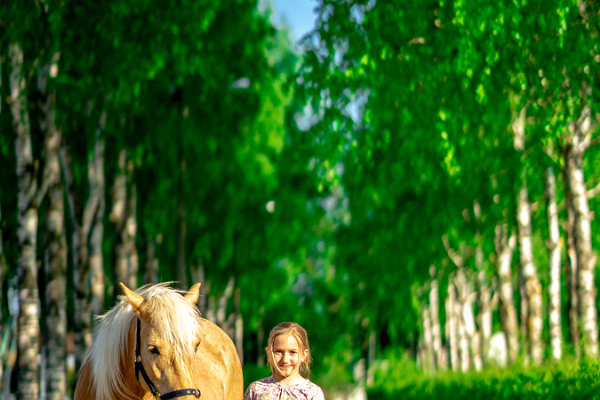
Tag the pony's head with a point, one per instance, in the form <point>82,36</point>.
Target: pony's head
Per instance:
<point>169,335</point>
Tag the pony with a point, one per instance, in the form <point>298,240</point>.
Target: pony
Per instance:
<point>154,343</point>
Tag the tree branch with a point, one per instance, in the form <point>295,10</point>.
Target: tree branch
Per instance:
<point>593,192</point>
<point>456,259</point>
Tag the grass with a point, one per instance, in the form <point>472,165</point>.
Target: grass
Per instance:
<point>567,380</point>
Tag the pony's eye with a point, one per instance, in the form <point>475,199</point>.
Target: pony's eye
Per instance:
<point>153,350</point>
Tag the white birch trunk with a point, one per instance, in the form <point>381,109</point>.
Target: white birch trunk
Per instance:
<point>151,268</point>
<point>181,226</point>
<point>428,352</point>
<point>55,254</point>
<point>463,339</point>
<point>239,326</point>
<point>96,259</point>
<point>505,246</point>
<point>469,340</point>
<point>473,337</point>
<point>118,215</point>
<point>28,331</point>
<point>484,290</point>
<point>223,320</point>
<point>124,216</point>
<point>371,357</point>
<point>586,258</point>
<point>452,325</point>
<point>130,234</point>
<point>531,286</point>
<point>4,329</point>
<point>260,338</point>
<point>572,270</point>
<point>554,262</point>
<point>436,329</point>
<point>83,219</point>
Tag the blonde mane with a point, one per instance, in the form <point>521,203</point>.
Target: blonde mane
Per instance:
<point>175,317</point>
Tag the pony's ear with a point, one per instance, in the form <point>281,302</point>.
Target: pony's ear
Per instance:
<point>134,299</point>
<point>193,294</point>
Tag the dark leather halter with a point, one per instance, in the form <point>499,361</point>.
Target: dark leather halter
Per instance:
<point>139,368</point>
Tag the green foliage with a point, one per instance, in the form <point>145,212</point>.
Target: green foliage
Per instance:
<point>564,380</point>
<point>416,102</point>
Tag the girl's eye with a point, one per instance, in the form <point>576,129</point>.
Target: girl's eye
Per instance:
<point>154,350</point>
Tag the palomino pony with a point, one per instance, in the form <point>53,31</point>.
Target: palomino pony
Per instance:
<point>154,343</point>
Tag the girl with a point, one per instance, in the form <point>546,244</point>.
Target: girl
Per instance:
<point>288,357</point>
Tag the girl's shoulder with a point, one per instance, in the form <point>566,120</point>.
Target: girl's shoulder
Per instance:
<point>312,388</point>
<point>258,389</point>
<point>262,384</point>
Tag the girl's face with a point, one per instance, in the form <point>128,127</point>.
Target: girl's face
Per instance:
<point>288,355</point>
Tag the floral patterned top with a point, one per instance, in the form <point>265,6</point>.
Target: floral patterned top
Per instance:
<point>269,389</point>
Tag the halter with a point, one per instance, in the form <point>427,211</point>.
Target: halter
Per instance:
<point>139,367</point>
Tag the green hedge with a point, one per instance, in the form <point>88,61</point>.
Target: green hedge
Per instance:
<point>560,382</point>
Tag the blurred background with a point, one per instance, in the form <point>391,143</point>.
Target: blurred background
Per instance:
<point>413,182</point>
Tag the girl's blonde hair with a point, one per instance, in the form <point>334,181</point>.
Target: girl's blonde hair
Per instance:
<point>299,333</point>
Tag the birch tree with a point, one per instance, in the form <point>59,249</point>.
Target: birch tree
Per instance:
<point>505,245</point>
<point>531,284</point>
<point>436,329</point>
<point>554,268</point>
<point>30,196</point>
<point>55,257</point>
<point>84,219</point>
<point>123,214</point>
<point>578,142</point>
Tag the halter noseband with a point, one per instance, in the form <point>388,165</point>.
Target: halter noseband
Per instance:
<point>139,368</point>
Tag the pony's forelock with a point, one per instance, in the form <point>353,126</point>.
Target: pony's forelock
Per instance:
<point>176,319</point>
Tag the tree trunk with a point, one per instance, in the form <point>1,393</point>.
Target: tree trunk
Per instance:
<point>484,300</point>
<point>118,215</point>
<point>572,270</point>
<point>131,232</point>
<point>96,259</point>
<point>28,331</point>
<point>452,326</point>
<point>554,265</point>
<point>181,266</point>
<point>436,329</point>
<point>260,338</point>
<point>428,352</point>
<point>473,337</point>
<point>124,216</point>
<point>55,254</point>
<point>371,359</point>
<point>468,337</point>
<point>463,338</point>
<point>151,268</point>
<point>211,309</point>
<point>504,248</point>
<point>223,320</point>
<point>239,326</point>
<point>4,329</point>
<point>586,259</point>
<point>531,283</point>
<point>83,220</point>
